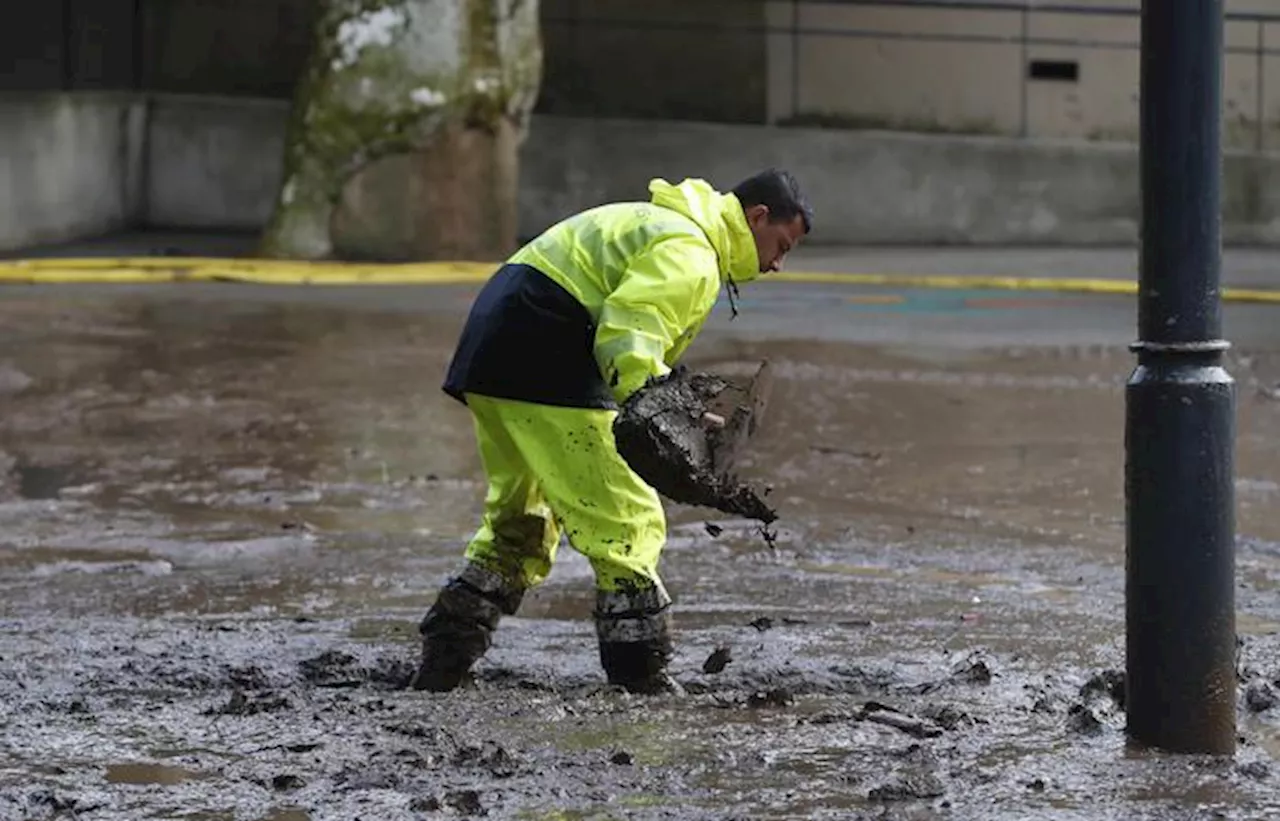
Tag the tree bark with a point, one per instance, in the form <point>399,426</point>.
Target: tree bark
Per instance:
<point>405,131</point>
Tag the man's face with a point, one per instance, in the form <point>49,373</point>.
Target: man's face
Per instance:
<point>773,239</point>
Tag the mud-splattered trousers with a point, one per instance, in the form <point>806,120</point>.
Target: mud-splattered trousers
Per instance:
<point>554,470</point>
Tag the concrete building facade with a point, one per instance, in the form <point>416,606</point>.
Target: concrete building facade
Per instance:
<point>171,113</point>
<point>1018,71</point>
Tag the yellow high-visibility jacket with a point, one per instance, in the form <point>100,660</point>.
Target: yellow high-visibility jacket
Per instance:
<point>588,311</point>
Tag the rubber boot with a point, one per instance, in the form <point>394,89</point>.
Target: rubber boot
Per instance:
<point>458,629</point>
<point>634,630</point>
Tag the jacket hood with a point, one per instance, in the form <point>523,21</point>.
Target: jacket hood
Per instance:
<point>721,218</point>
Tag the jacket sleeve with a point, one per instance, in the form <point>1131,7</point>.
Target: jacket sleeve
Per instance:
<point>663,297</point>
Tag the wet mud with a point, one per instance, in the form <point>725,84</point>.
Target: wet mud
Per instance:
<point>221,520</point>
<point>681,434</point>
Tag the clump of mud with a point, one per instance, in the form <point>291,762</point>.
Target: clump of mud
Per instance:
<point>335,669</point>
<point>665,433</point>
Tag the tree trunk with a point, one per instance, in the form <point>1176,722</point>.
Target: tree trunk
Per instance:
<point>405,130</point>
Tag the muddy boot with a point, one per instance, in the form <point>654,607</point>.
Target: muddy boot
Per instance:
<point>458,629</point>
<point>634,630</point>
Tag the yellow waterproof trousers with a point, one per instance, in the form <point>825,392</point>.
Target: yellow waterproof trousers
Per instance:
<point>552,469</point>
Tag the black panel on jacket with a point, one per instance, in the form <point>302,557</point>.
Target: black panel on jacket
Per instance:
<point>528,339</point>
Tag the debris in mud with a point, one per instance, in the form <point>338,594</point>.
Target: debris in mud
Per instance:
<point>333,669</point>
<point>920,757</point>
<point>622,758</point>
<point>878,713</point>
<point>427,804</point>
<point>713,530</point>
<point>973,670</point>
<point>466,802</point>
<point>1109,683</point>
<point>948,717</point>
<point>55,802</point>
<point>762,624</point>
<point>46,803</point>
<point>493,757</point>
<point>1102,697</point>
<point>436,736</point>
<point>302,748</point>
<point>242,704</point>
<point>775,697</point>
<point>1260,697</point>
<point>822,719</point>
<point>366,777</point>
<point>248,677</point>
<point>1045,700</point>
<point>862,455</point>
<point>75,706</point>
<point>501,675</point>
<point>663,431</point>
<point>1257,770</point>
<point>718,660</point>
<point>909,787</point>
<point>1083,720</point>
<point>298,524</point>
<point>330,669</point>
<point>286,782</point>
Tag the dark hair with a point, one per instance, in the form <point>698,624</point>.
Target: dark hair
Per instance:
<point>778,191</point>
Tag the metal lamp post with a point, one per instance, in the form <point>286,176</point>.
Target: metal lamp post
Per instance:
<point>1180,402</point>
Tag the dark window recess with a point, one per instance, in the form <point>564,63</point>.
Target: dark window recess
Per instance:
<point>1061,71</point>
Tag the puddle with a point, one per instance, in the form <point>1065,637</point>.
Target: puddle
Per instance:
<point>43,482</point>
<point>145,773</point>
<point>1251,624</point>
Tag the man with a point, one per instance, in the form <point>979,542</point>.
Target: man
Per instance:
<point>574,323</point>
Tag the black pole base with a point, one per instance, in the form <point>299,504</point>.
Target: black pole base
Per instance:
<point>1180,576</point>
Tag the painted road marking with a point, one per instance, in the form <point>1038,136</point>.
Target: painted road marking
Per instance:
<point>1019,302</point>
<point>875,299</point>
<point>292,272</point>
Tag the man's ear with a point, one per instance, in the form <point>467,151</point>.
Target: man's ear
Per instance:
<point>758,213</point>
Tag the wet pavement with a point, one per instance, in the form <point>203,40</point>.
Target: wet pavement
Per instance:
<point>223,510</point>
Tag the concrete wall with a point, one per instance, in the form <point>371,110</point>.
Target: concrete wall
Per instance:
<point>213,162</point>
<point>70,166</point>
<point>218,165</point>
<point>659,59</point>
<point>865,187</point>
<point>74,166</point>
<point>905,81</point>
<point>882,187</point>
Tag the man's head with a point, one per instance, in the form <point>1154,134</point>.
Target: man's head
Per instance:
<point>777,213</point>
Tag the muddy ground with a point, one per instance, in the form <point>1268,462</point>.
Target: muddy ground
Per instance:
<point>221,517</point>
